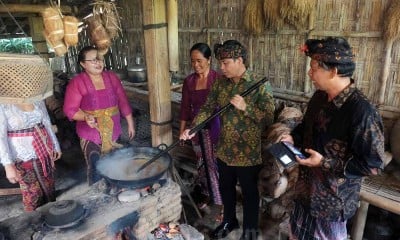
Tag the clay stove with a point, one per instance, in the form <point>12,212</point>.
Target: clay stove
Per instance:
<point>106,217</point>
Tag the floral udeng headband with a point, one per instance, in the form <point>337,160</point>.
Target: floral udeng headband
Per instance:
<point>228,51</point>
<point>329,50</point>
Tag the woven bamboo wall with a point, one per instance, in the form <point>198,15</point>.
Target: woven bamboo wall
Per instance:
<point>275,53</point>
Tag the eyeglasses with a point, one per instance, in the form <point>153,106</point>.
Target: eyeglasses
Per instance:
<point>94,61</point>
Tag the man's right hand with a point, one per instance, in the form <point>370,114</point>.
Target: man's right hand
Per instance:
<point>186,136</point>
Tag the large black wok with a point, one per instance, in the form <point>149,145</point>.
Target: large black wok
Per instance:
<point>120,166</point>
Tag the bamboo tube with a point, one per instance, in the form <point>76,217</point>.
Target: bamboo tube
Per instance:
<point>173,40</point>
<point>385,71</point>
<point>307,82</point>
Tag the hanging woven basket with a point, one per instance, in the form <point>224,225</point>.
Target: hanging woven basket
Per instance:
<point>24,78</point>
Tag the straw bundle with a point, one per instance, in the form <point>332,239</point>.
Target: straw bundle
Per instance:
<point>392,22</point>
<point>272,13</point>
<point>58,45</point>
<point>254,17</point>
<point>296,12</point>
<point>98,34</point>
<point>53,24</point>
<point>274,133</point>
<point>102,51</point>
<point>109,16</point>
<point>70,30</point>
<point>288,113</point>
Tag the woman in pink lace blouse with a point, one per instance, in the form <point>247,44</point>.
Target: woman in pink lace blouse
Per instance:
<point>96,100</point>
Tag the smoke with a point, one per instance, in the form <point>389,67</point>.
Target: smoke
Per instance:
<point>122,164</point>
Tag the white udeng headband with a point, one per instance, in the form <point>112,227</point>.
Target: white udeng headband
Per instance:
<point>24,78</point>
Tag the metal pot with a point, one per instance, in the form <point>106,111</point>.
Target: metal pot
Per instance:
<point>120,167</point>
<point>137,73</point>
<point>122,74</point>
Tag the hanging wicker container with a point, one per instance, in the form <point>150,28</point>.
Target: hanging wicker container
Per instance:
<point>24,78</point>
<point>53,24</point>
<point>98,34</point>
<point>70,30</point>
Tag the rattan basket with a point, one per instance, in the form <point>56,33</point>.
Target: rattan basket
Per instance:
<point>24,78</point>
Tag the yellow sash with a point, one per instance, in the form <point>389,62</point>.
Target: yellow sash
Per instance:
<point>105,126</point>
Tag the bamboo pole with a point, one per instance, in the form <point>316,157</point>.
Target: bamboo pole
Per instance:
<point>360,218</point>
<point>173,39</point>
<point>307,82</point>
<point>156,52</point>
<point>10,191</point>
<point>28,8</point>
<point>385,72</point>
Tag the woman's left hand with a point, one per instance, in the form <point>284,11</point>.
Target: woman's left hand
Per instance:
<point>57,155</point>
<point>131,132</point>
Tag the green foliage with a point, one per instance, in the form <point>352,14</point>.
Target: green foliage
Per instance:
<point>16,45</point>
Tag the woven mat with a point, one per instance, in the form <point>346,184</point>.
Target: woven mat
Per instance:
<point>384,186</point>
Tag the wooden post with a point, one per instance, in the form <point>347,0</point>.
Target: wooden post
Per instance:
<point>156,52</point>
<point>357,230</point>
<point>38,40</point>
<point>173,40</point>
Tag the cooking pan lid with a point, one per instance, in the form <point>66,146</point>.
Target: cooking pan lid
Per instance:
<point>65,213</point>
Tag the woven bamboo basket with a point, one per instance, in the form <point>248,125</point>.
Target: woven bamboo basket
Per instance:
<point>24,78</point>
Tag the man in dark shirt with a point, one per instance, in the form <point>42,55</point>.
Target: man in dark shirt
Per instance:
<point>239,146</point>
<point>343,134</point>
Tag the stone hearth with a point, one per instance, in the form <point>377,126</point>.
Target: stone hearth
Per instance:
<point>107,216</point>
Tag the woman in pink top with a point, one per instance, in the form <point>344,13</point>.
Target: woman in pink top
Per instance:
<point>96,100</point>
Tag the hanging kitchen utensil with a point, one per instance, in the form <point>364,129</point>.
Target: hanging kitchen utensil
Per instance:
<point>203,124</point>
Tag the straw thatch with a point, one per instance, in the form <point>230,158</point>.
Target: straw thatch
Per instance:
<point>391,29</point>
<point>70,30</point>
<point>272,13</point>
<point>296,12</point>
<point>253,17</point>
<point>53,24</point>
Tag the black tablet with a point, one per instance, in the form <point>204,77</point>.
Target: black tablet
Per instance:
<point>285,153</point>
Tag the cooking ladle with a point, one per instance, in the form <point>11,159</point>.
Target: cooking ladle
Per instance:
<point>202,124</point>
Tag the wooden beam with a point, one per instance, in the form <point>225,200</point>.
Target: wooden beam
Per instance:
<point>28,8</point>
<point>158,76</point>
<point>9,191</point>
